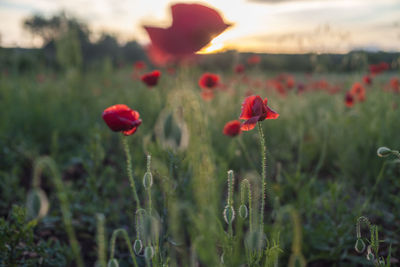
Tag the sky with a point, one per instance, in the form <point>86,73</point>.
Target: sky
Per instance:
<point>272,26</point>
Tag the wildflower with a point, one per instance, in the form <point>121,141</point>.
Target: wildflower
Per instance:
<point>139,65</point>
<point>367,80</point>
<point>193,27</point>
<point>376,69</point>
<point>207,94</point>
<point>395,85</point>
<point>349,100</point>
<point>254,60</point>
<point>358,91</point>
<point>208,81</point>
<point>232,128</point>
<point>120,118</point>
<point>151,78</point>
<point>254,109</point>
<point>239,68</point>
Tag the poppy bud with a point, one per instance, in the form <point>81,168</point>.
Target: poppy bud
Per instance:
<point>147,180</point>
<point>243,212</point>
<point>149,252</point>
<point>360,245</point>
<point>383,151</point>
<point>229,214</point>
<point>37,203</point>
<point>137,246</point>
<point>113,263</point>
<point>370,255</point>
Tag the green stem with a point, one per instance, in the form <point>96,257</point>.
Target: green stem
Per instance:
<point>129,170</point>
<point>101,242</point>
<point>125,235</point>
<point>263,175</point>
<point>149,194</point>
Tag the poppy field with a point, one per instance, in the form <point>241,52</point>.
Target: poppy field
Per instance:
<point>167,162</point>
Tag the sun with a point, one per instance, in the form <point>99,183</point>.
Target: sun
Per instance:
<point>216,45</point>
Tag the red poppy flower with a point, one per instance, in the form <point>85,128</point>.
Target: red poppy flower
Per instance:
<point>120,118</point>
<point>232,128</point>
<point>349,100</point>
<point>290,82</point>
<point>193,27</point>
<point>151,78</point>
<point>358,90</point>
<point>375,69</point>
<point>139,65</point>
<point>207,94</point>
<point>239,68</point>
<point>208,80</point>
<point>254,60</point>
<point>254,109</point>
<point>395,85</point>
<point>367,79</point>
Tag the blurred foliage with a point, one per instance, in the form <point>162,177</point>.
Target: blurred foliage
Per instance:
<point>19,247</point>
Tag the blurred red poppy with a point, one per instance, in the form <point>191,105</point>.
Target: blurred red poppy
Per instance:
<point>290,82</point>
<point>207,94</point>
<point>367,79</point>
<point>375,69</point>
<point>395,85</point>
<point>239,68</point>
<point>255,109</point>
<point>349,100</point>
<point>208,80</point>
<point>254,60</point>
<point>120,118</point>
<point>151,78</point>
<point>232,128</point>
<point>193,27</point>
<point>358,91</point>
<point>139,65</point>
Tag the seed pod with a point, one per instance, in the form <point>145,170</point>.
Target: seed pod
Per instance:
<point>147,180</point>
<point>360,245</point>
<point>383,151</point>
<point>149,252</point>
<point>137,246</point>
<point>243,211</point>
<point>229,214</point>
<point>113,263</point>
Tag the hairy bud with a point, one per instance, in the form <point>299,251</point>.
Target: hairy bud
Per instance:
<point>360,245</point>
<point>229,214</point>
<point>137,246</point>
<point>243,212</point>
<point>113,263</point>
<point>383,151</point>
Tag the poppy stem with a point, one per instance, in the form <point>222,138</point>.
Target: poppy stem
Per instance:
<point>129,170</point>
<point>263,175</point>
<point>122,232</point>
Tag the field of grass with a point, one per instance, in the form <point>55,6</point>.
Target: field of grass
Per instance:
<point>323,171</point>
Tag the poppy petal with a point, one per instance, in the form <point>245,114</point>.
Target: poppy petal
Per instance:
<point>271,114</point>
<point>247,108</point>
<point>250,124</point>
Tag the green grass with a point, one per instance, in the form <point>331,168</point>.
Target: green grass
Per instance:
<point>322,168</point>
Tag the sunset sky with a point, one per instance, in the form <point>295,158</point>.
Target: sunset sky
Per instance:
<point>274,26</point>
